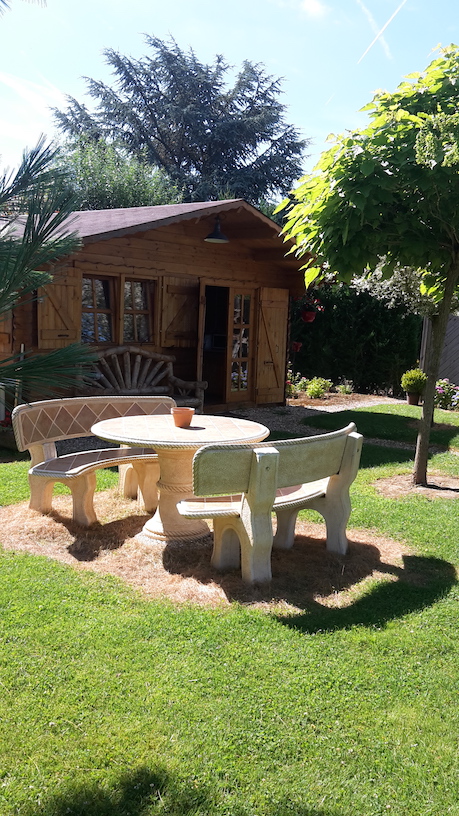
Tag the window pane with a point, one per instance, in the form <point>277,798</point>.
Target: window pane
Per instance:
<point>128,333</point>
<point>127,295</point>
<point>140,295</point>
<point>243,376</point>
<point>104,328</point>
<point>102,294</point>
<point>87,293</point>
<point>246,309</point>
<point>237,309</point>
<point>88,334</point>
<point>143,329</point>
<point>245,343</point>
<point>235,377</point>
<point>236,345</point>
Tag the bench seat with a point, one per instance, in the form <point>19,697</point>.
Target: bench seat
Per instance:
<point>72,465</point>
<point>294,497</point>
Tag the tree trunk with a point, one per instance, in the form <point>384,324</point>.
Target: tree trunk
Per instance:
<point>438,324</point>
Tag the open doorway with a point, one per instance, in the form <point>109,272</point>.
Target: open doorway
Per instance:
<point>215,343</point>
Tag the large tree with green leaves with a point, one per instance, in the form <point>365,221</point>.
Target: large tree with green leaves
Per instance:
<point>213,141</point>
<point>104,177</point>
<point>387,196</point>
<point>35,203</point>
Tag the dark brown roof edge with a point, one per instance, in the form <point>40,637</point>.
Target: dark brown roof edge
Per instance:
<point>197,210</point>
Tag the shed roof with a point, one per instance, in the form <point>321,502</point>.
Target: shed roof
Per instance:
<point>241,222</point>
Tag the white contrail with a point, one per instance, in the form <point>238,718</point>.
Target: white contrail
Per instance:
<point>375,27</point>
<point>380,33</point>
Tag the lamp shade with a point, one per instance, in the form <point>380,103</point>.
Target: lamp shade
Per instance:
<point>216,236</point>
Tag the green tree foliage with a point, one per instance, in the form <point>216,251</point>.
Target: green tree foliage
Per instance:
<point>34,204</point>
<point>104,177</point>
<point>378,198</point>
<point>213,141</point>
<point>357,337</point>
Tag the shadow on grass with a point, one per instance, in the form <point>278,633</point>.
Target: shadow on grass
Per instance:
<point>90,542</point>
<point>11,455</point>
<point>382,426</point>
<point>421,582</point>
<point>145,792</point>
<point>378,455</point>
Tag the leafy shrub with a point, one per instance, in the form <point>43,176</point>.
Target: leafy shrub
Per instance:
<point>356,337</point>
<point>446,395</point>
<point>345,387</point>
<point>413,381</point>
<point>295,383</point>
<point>317,387</point>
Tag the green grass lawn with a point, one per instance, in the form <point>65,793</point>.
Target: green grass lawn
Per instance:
<point>396,422</point>
<point>114,705</point>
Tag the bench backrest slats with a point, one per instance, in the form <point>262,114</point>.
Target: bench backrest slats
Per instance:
<point>222,470</point>
<point>51,420</point>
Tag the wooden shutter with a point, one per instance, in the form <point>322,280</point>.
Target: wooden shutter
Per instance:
<point>179,312</point>
<point>59,313</point>
<point>272,344</point>
<point>6,333</point>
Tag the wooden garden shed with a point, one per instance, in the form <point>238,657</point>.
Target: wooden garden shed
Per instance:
<point>147,276</point>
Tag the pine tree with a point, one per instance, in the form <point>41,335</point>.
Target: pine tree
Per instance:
<point>212,141</point>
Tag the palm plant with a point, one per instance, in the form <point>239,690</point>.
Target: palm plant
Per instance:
<point>35,203</point>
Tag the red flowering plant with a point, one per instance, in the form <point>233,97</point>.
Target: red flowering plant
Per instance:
<point>307,306</point>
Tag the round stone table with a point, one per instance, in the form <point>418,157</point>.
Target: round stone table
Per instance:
<point>175,448</point>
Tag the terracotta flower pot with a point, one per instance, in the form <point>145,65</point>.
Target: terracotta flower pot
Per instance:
<point>412,398</point>
<point>182,416</point>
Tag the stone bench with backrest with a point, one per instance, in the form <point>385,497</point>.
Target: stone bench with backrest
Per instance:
<point>241,485</point>
<point>128,370</point>
<point>39,425</point>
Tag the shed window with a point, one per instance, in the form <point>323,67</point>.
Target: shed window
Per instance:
<point>115,311</point>
<point>97,310</point>
<point>138,308</point>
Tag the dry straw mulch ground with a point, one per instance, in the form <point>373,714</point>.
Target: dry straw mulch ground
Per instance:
<point>183,573</point>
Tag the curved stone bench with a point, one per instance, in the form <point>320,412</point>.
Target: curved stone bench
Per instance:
<point>39,425</point>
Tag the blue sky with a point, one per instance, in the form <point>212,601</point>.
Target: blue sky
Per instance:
<point>332,54</point>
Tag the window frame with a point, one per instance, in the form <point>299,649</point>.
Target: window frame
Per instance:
<point>117,310</point>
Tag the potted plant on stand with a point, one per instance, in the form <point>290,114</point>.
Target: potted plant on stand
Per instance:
<point>413,382</point>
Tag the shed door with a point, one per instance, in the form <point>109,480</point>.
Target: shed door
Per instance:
<point>272,344</point>
<point>59,313</point>
<point>179,313</point>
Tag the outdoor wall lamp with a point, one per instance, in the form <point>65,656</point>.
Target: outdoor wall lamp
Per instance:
<point>216,236</point>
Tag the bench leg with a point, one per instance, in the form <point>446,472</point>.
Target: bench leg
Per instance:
<point>41,493</point>
<point>83,488</point>
<point>234,545</point>
<point>128,481</point>
<point>227,549</point>
<point>335,512</point>
<point>285,532</point>
<point>256,545</point>
<point>147,477</point>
